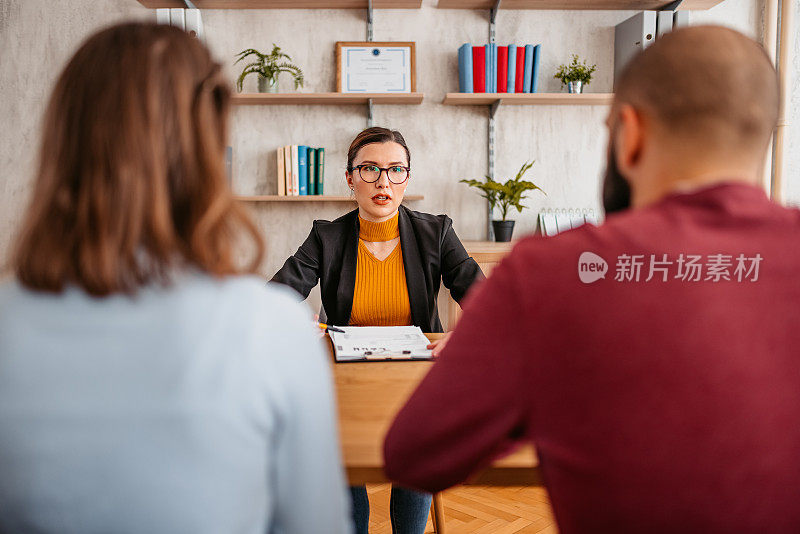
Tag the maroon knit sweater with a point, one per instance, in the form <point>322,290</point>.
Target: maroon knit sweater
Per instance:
<point>668,404</point>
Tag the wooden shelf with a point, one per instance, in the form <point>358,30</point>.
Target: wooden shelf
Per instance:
<point>308,198</point>
<point>279,99</point>
<point>286,4</point>
<point>528,99</point>
<point>624,5</point>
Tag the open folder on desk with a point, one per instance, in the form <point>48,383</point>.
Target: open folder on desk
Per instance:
<point>379,343</point>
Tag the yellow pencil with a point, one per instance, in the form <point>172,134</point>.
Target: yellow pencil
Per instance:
<point>330,328</point>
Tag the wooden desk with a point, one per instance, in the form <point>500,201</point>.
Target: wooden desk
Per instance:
<point>371,393</point>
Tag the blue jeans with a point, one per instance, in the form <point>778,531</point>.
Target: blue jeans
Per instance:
<point>408,509</point>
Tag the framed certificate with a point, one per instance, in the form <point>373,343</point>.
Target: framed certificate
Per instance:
<point>375,67</point>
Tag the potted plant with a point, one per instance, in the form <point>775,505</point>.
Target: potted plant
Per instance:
<point>268,67</point>
<point>505,195</point>
<point>575,75</point>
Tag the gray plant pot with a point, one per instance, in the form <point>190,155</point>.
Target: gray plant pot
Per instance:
<point>575,87</point>
<point>503,230</point>
<point>266,85</point>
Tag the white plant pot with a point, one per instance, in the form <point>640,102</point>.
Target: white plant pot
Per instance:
<point>575,87</point>
<point>266,85</point>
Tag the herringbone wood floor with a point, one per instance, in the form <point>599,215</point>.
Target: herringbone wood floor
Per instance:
<point>477,510</point>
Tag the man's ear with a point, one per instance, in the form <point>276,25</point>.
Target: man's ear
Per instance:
<point>629,137</point>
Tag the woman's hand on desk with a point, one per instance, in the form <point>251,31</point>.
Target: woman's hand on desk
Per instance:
<point>437,345</point>
<point>316,323</point>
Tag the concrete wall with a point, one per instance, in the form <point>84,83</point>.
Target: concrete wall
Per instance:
<point>447,142</point>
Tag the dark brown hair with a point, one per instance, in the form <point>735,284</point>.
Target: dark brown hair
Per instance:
<point>131,181</point>
<point>711,86</point>
<point>376,134</point>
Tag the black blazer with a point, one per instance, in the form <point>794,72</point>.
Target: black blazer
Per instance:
<point>431,252</point>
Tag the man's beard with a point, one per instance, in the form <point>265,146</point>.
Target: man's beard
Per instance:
<point>616,190</point>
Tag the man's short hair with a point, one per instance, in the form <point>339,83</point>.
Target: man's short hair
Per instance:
<point>710,85</point>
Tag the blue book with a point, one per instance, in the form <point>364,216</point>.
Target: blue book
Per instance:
<point>488,70</point>
<point>494,67</point>
<point>312,170</point>
<point>512,67</point>
<point>537,53</point>
<point>302,165</point>
<point>320,174</point>
<point>526,79</point>
<point>465,68</point>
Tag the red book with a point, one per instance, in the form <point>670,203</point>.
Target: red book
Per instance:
<point>519,75</point>
<point>502,69</point>
<point>479,69</point>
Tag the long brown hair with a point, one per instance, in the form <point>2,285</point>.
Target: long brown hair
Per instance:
<point>131,181</point>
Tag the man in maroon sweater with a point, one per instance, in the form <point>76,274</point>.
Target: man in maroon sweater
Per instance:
<point>653,361</point>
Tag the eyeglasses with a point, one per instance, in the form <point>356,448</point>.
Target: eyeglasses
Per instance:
<point>370,173</point>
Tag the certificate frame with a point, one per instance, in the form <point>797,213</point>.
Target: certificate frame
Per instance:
<point>348,53</point>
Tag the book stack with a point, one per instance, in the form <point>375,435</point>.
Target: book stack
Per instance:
<point>301,170</point>
<point>498,69</point>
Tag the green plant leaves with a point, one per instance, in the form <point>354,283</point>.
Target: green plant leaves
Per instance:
<point>575,72</point>
<point>268,66</point>
<point>245,72</point>
<point>508,194</point>
<point>524,169</point>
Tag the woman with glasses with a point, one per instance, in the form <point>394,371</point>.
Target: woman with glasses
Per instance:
<point>381,265</point>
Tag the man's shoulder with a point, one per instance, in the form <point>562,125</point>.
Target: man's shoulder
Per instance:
<point>554,263</point>
<point>538,247</point>
<point>617,231</point>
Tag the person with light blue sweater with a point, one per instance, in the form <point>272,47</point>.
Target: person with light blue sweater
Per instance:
<point>149,381</point>
<point>205,407</point>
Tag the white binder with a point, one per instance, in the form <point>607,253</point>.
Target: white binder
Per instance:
<point>547,223</point>
<point>177,17</point>
<point>576,218</point>
<point>563,221</point>
<point>194,23</point>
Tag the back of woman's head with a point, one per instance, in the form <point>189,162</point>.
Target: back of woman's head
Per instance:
<point>131,182</point>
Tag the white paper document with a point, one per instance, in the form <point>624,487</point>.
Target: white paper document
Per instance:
<point>377,69</point>
<point>380,343</point>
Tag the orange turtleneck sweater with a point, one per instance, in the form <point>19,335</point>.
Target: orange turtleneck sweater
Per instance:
<point>381,293</point>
